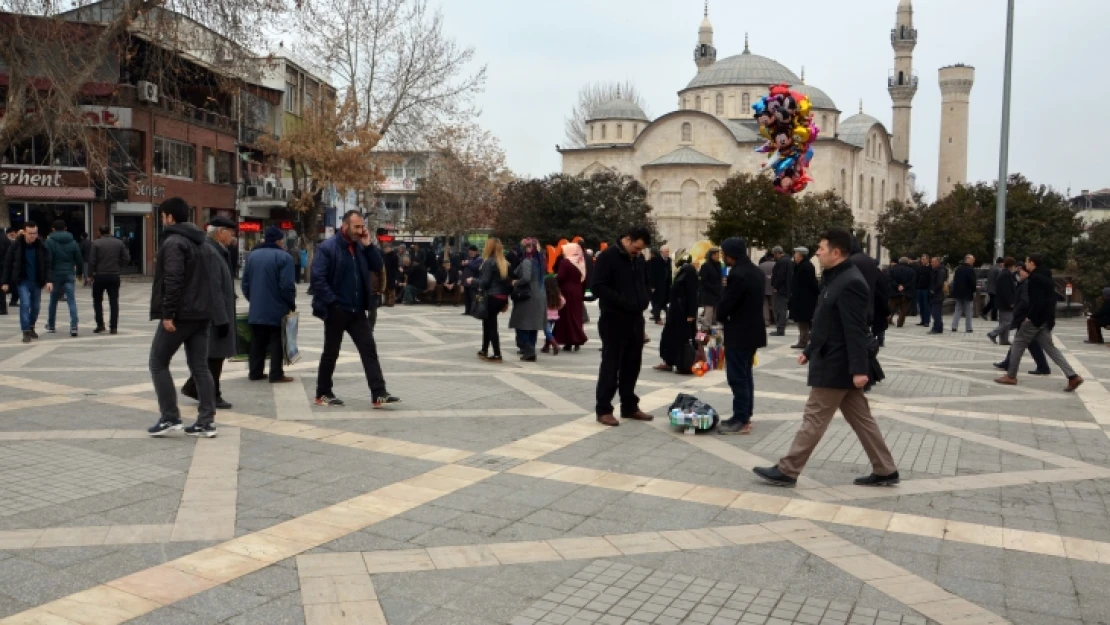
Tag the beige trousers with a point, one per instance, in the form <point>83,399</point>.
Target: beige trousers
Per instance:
<point>820,408</point>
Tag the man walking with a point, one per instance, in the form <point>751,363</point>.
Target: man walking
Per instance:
<point>268,284</point>
<point>1003,300</point>
<point>107,256</point>
<point>904,278</point>
<point>186,300</point>
<point>767,266</point>
<point>469,277</point>
<point>620,284</point>
<point>222,342</point>
<point>803,295</point>
<point>740,312</point>
<point>937,281</point>
<point>660,271</point>
<point>923,289</point>
<point>392,262</point>
<point>1021,311</point>
<point>341,296</point>
<point>996,270</point>
<point>26,269</point>
<point>781,276</point>
<point>67,264</point>
<point>838,370</point>
<point>963,291</point>
<point>1038,325</point>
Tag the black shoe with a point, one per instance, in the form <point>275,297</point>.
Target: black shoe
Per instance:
<point>49,329</point>
<point>26,337</point>
<point>528,358</point>
<point>112,331</point>
<point>877,480</point>
<point>1039,372</point>
<point>1000,365</point>
<point>100,330</point>
<point>385,399</point>
<point>969,331</point>
<point>256,378</point>
<point>327,399</point>
<point>34,334</point>
<point>953,329</point>
<point>73,332</point>
<point>935,332</point>
<point>993,338</point>
<point>779,333</point>
<point>164,427</point>
<point>734,426</point>
<point>222,404</point>
<point>774,476</point>
<point>208,430</point>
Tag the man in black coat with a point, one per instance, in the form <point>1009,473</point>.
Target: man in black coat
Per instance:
<point>470,267</point>
<point>1099,319</point>
<point>659,272</point>
<point>937,280</point>
<point>963,291</point>
<point>1038,325</point>
<point>839,367</point>
<point>26,270</point>
<point>741,314</point>
<point>804,290</point>
<point>904,279</point>
<point>781,277</point>
<point>1003,299</point>
<point>1021,310</point>
<point>392,262</point>
<point>620,284</point>
<point>869,269</point>
<point>924,271</point>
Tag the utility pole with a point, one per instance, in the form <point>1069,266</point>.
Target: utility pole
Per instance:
<point>1004,144</point>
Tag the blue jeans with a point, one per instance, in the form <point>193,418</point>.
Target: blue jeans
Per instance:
<point>67,288</point>
<point>922,296</point>
<point>549,331</point>
<point>738,370</point>
<point>29,302</point>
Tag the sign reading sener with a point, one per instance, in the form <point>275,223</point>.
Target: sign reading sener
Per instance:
<point>28,178</point>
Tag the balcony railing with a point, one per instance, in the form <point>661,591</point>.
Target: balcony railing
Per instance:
<point>892,80</point>
<point>903,34</point>
<point>128,96</point>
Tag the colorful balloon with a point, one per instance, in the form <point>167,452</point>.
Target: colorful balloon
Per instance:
<point>786,122</point>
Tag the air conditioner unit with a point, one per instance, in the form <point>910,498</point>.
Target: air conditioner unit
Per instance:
<point>255,190</point>
<point>148,91</point>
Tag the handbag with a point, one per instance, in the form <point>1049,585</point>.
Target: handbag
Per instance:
<point>522,292</point>
<point>479,308</point>
<point>290,353</point>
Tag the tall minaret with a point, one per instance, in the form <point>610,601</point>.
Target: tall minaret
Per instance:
<point>902,82</point>
<point>704,53</point>
<point>955,100</point>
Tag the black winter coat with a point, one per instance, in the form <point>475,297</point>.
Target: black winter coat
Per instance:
<point>1042,297</point>
<point>1021,303</point>
<point>659,271</point>
<point>741,307</point>
<point>804,291</point>
<point>709,283</point>
<point>13,271</point>
<point>924,276</point>
<point>936,285</point>
<point>869,269</point>
<point>620,284</point>
<point>904,276</point>
<point>837,347</point>
<point>1005,291</point>
<point>963,283</point>
<point>184,285</point>
<point>782,275</point>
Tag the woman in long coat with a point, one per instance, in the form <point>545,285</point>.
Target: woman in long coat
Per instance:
<point>529,315</point>
<point>804,291</point>
<point>680,327</point>
<point>572,274</point>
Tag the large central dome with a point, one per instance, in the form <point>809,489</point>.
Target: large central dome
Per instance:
<point>744,69</point>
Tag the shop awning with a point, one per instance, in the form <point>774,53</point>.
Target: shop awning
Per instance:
<point>19,192</point>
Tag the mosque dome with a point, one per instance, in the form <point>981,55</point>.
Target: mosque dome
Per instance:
<point>618,108</point>
<point>744,69</point>
<point>817,98</point>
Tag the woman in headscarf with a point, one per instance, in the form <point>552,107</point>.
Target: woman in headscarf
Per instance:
<point>680,327</point>
<point>572,273</point>
<point>529,311</point>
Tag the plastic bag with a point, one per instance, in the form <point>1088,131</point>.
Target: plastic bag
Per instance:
<point>691,413</point>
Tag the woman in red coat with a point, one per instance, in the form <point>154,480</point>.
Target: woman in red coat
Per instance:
<point>571,274</point>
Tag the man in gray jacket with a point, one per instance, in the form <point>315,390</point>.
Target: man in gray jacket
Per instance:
<point>187,301</point>
<point>107,256</point>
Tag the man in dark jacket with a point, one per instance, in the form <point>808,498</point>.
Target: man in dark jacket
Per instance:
<point>803,295</point>
<point>107,256</point>
<point>937,282</point>
<point>923,289</point>
<point>341,296</point>
<point>1038,325</point>
<point>963,291</point>
<point>659,272</point>
<point>269,285</point>
<point>1099,319</point>
<point>67,265</point>
<point>222,341</point>
<point>741,313</point>
<point>781,276</point>
<point>85,245</point>
<point>996,270</point>
<point>620,284</point>
<point>710,283</point>
<point>470,267</point>
<point>416,281</point>
<point>839,368</point>
<point>392,261</point>
<point>26,271</point>
<point>447,283</point>
<point>869,269</point>
<point>1021,310</point>
<point>904,279</point>
<point>1003,299</point>
<point>187,300</point>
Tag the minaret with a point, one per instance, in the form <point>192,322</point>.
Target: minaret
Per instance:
<point>902,82</point>
<point>704,53</point>
<point>955,99</point>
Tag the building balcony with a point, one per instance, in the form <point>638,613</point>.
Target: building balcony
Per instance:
<point>178,109</point>
<point>903,34</point>
<point>250,136</point>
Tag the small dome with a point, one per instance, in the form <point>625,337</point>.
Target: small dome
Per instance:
<point>618,108</point>
<point>744,69</point>
<point>817,98</point>
<point>854,129</point>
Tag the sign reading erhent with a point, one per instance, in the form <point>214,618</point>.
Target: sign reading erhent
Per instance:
<point>27,178</point>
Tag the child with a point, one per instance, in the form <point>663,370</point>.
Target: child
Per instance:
<point>555,303</point>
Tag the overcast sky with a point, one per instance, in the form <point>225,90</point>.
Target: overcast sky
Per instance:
<point>540,52</point>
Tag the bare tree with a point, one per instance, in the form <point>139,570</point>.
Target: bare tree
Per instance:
<point>406,75</point>
<point>589,97</point>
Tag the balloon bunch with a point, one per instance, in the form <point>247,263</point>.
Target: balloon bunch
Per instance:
<point>785,121</point>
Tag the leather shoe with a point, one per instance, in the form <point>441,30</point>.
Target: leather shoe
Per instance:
<point>1007,380</point>
<point>1039,372</point>
<point>774,476</point>
<point>608,419</point>
<point>639,415</point>
<point>877,480</point>
<point>282,380</point>
<point>1073,383</point>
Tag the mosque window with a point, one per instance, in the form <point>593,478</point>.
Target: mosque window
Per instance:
<point>603,129</point>
<point>897,191</point>
<point>687,132</point>
<point>882,194</point>
<point>620,131</point>
<point>869,147</point>
<point>635,130</point>
<point>859,198</point>
<point>720,104</point>
<point>843,182</point>
<point>591,132</point>
<point>745,101</point>
<point>697,102</point>
<point>871,198</point>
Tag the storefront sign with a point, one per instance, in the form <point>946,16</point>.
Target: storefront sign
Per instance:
<point>285,225</point>
<point>250,226</point>
<point>29,178</point>
<point>145,189</point>
<point>397,184</point>
<point>106,116</point>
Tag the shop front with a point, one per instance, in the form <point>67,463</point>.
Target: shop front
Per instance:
<point>45,195</point>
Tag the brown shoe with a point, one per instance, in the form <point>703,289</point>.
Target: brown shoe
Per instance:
<point>639,415</point>
<point>608,419</point>
<point>1008,380</point>
<point>1073,383</point>
<point>282,380</point>
<point>662,367</point>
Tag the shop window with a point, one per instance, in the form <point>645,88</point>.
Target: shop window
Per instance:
<point>125,150</point>
<point>218,166</point>
<point>38,152</point>
<point>174,158</point>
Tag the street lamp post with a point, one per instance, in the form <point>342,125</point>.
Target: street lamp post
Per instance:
<point>1004,144</point>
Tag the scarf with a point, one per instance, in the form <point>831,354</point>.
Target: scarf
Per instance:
<point>573,253</point>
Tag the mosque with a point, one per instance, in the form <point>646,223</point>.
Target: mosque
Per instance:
<point>682,157</point>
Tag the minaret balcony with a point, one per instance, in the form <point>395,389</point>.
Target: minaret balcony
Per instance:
<point>896,80</point>
<point>903,34</point>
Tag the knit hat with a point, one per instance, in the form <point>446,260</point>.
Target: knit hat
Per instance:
<point>734,247</point>
<point>221,222</point>
<point>273,234</point>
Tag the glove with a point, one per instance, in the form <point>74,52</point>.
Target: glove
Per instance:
<point>222,330</point>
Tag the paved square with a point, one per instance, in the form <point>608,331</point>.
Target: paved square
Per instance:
<point>491,496</point>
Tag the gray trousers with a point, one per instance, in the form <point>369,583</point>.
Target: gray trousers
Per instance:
<point>1029,333</point>
<point>194,336</point>
<point>1003,329</point>
<point>966,308</point>
<point>781,302</point>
